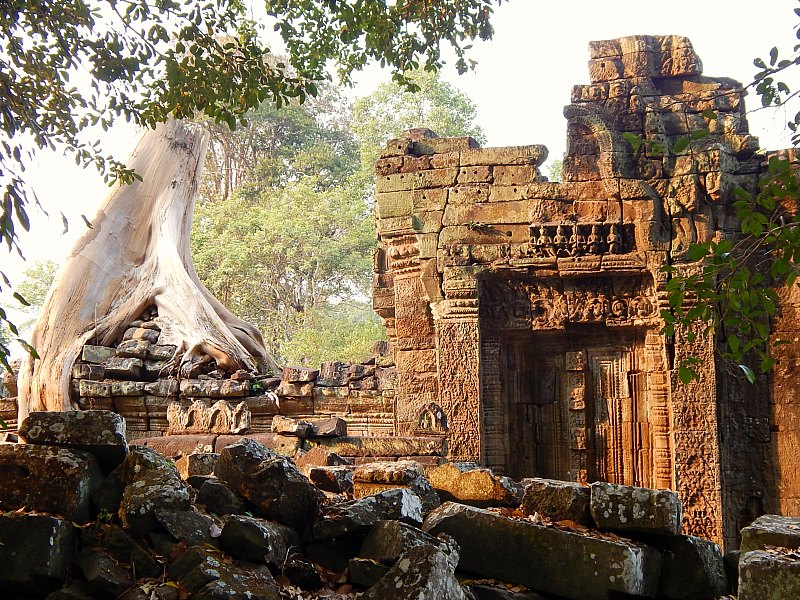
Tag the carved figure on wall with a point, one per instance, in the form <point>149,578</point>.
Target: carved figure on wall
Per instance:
<point>561,242</point>
<point>431,419</point>
<point>545,243</point>
<point>615,245</point>
<point>595,241</point>
<point>577,242</point>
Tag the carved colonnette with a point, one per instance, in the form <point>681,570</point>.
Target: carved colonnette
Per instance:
<point>544,299</point>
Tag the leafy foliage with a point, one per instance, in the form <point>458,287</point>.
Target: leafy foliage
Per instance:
<point>391,109</point>
<point>67,67</point>
<point>737,290</point>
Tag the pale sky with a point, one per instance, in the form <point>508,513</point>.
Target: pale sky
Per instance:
<point>522,82</point>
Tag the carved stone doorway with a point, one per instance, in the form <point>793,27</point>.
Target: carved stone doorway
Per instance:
<point>576,405</point>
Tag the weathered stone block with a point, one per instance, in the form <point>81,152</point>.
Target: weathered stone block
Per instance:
<point>152,482</point>
<point>435,145</point>
<point>124,368</point>
<point>397,147</point>
<point>214,388</point>
<point>94,389</point>
<point>197,464</point>
<point>163,388</point>
<point>387,541</point>
<point>258,540</point>
<point>203,417</point>
<point>546,559</point>
<point>470,484</point>
<point>364,572</point>
<point>557,500</point>
<point>433,178</point>
<point>48,479</point>
<point>771,530</point>
<point>511,155</point>
<point>768,575</point>
<point>141,333</point>
<point>488,213</point>
<point>515,174</point>
<point>333,427</point>
<point>475,174</point>
<point>422,572</point>
<point>219,499</point>
<point>287,388</point>
<point>100,432</point>
<point>469,194</point>
<point>291,427</point>
<point>40,564</point>
<point>334,479</point>
<point>96,354</point>
<point>87,371</point>
<point>299,374</point>
<point>377,446</point>
<point>269,481</point>
<point>359,516</point>
<point>133,349</point>
<point>692,568</point>
<point>627,508</point>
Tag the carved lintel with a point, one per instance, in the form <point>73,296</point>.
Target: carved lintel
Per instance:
<point>199,417</point>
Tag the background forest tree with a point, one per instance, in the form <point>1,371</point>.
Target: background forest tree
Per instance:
<point>68,66</point>
<point>284,233</point>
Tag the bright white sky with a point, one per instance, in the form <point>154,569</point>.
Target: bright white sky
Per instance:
<point>522,82</point>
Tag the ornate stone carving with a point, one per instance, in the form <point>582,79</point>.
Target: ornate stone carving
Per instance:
<point>563,240</point>
<point>200,417</point>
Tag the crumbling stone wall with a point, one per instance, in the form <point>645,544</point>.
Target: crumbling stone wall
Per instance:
<point>529,311</point>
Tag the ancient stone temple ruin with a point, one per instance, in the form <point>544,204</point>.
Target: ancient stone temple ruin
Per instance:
<point>524,316</point>
<point>527,312</point>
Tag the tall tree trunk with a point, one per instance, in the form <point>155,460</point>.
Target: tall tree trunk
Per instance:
<point>137,255</point>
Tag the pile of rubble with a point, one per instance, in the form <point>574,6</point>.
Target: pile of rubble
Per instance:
<point>87,517</point>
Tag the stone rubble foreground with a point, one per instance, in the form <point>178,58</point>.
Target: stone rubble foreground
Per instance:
<point>258,528</point>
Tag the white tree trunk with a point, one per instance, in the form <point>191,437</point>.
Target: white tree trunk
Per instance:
<point>136,255</point>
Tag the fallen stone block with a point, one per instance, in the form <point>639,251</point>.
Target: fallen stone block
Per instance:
<point>48,479</point>
<point>496,592</point>
<point>258,540</point>
<point>151,483</point>
<point>282,444</point>
<point>208,575</point>
<point>42,562</point>
<point>186,525</point>
<point>365,572</point>
<point>421,573</point>
<point>374,477</point>
<point>337,480</point>
<point>468,483</point>
<point>293,427</point>
<point>100,432</point>
<point>627,508</point>
<point>769,575</point>
<point>122,547</point>
<point>104,574</point>
<point>387,541</point>
<point>546,559</point>
<point>557,500</point>
<point>302,572</point>
<point>771,530</point>
<point>692,568</point>
<point>198,464</point>
<point>333,427</point>
<point>177,446</point>
<point>271,482</point>
<point>319,457</point>
<point>359,516</point>
<point>219,499</point>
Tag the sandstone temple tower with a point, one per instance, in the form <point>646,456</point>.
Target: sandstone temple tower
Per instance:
<point>524,315</point>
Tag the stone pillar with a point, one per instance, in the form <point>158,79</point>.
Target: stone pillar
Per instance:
<point>414,344</point>
<point>459,344</point>
<point>695,440</point>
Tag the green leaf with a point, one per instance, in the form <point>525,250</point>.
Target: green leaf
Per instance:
<point>687,374</point>
<point>748,373</point>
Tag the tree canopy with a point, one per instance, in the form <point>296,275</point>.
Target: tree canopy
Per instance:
<point>288,244</point>
<point>69,66</point>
